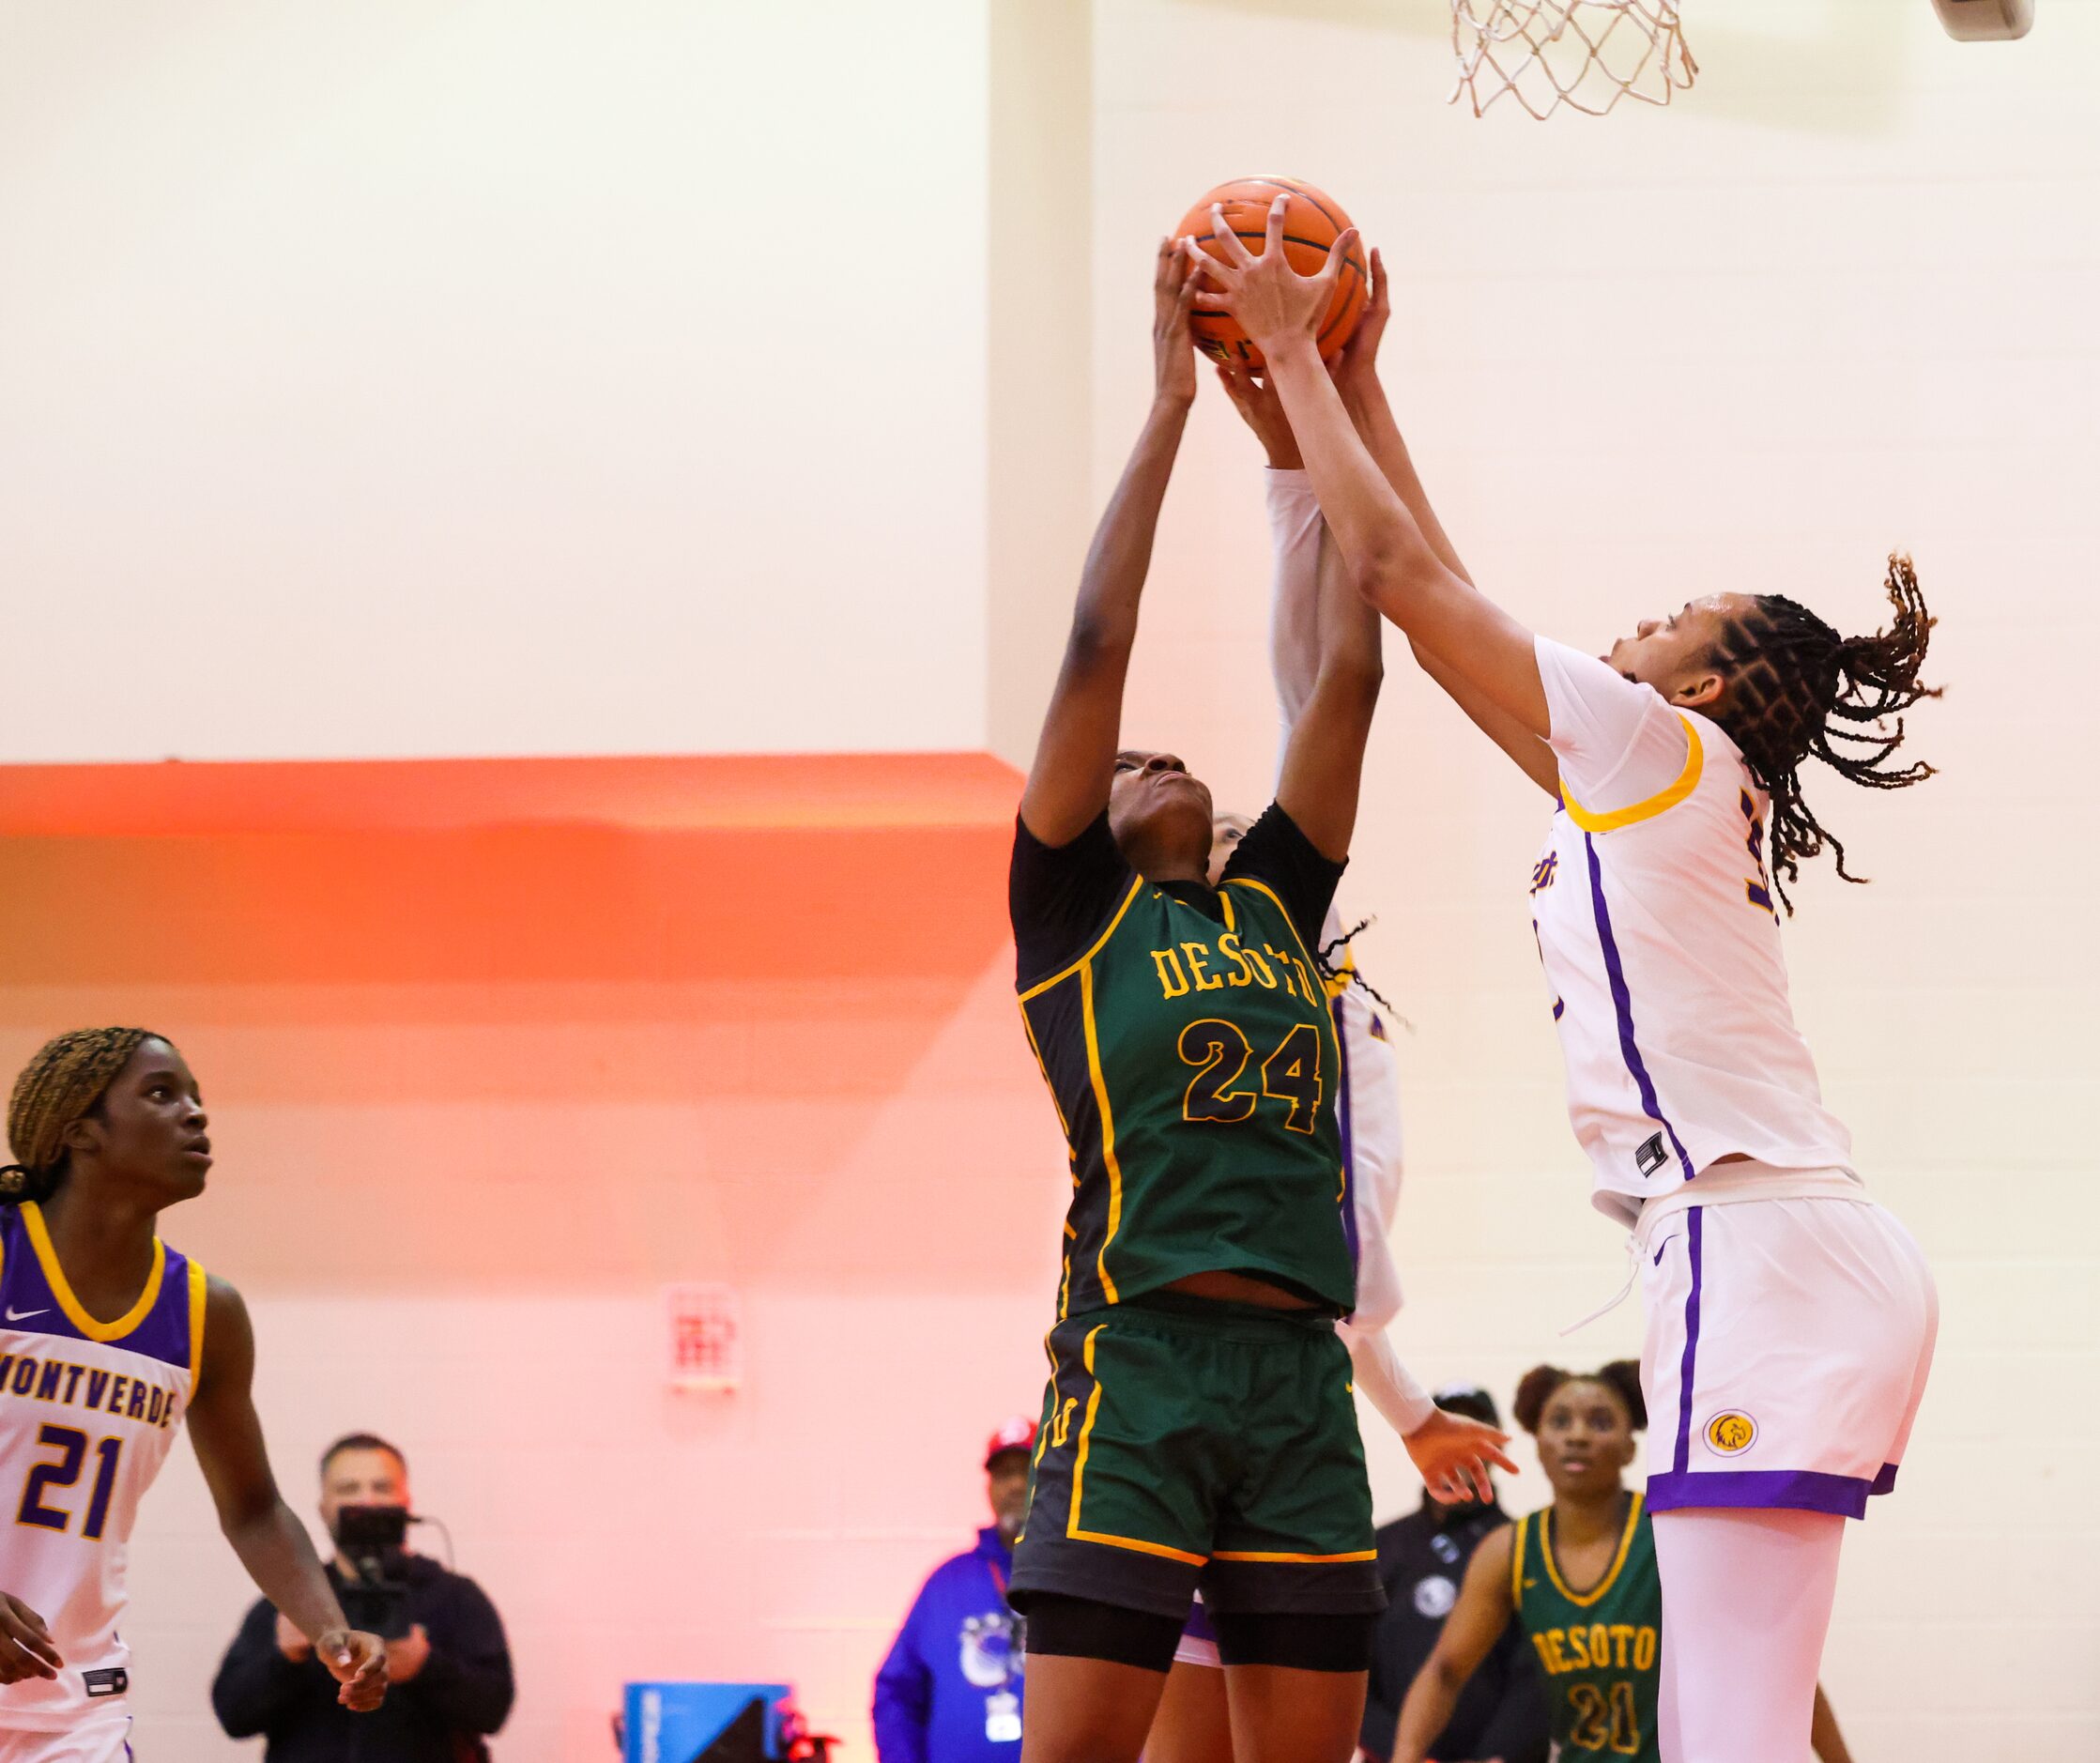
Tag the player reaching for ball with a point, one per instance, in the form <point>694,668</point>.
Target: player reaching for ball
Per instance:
<point>1199,1428</point>
<point>109,1338</point>
<point>1193,1722</point>
<point>1790,1319</point>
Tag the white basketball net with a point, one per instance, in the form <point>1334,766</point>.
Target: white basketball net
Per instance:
<point>1587,54</point>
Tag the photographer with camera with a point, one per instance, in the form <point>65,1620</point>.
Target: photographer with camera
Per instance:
<point>447,1661</point>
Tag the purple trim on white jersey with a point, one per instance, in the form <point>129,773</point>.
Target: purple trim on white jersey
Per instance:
<point>1791,1489</point>
<point>1344,1111</point>
<point>1695,1240</point>
<point>1622,1004</point>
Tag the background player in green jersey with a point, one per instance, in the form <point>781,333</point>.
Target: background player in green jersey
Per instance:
<point>1199,1429</point>
<point>1580,1580</point>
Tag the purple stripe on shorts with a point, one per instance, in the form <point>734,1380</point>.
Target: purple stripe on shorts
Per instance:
<point>1696,1239</point>
<point>1198,1627</point>
<point>1622,1004</point>
<point>1793,1490</point>
<point>1886,1481</point>
<point>1348,1145</point>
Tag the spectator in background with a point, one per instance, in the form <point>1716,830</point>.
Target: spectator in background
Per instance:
<point>1502,1715</point>
<point>950,1690</point>
<point>447,1661</point>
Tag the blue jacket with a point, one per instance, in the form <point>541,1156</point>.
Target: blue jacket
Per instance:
<point>953,1678</point>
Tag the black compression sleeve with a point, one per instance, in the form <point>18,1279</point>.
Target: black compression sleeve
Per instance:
<point>1080,1628</point>
<point>1304,1643</point>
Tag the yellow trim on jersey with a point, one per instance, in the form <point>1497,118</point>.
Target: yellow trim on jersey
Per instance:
<point>1688,780</point>
<point>1067,972</point>
<point>1582,1600</point>
<point>1108,1128</point>
<point>1079,1475</point>
<point>200,1287</point>
<point>1238,1554</point>
<point>1313,965</point>
<point>76,1312</point>
<point>1516,1563</point>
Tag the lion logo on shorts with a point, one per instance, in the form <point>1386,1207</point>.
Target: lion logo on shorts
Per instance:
<point>1731,1433</point>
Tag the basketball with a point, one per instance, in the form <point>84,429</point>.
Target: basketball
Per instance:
<point>1311,225</point>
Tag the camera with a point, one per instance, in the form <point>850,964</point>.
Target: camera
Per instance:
<point>371,1539</point>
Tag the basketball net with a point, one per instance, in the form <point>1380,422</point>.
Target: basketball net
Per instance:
<point>1587,54</point>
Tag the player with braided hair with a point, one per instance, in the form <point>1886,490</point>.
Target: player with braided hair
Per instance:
<point>1790,1319</point>
<point>107,1339</point>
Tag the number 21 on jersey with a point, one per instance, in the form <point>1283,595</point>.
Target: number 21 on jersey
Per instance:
<point>63,1471</point>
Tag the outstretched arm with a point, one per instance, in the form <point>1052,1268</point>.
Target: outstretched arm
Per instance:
<point>271,1542</point>
<point>1470,1633</point>
<point>1075,757</point>
<point>1392,561</point>
<point>1322,758</point>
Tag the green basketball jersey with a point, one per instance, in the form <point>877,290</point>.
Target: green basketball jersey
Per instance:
<point>1599,1647</point>
<point>1194,1065</point>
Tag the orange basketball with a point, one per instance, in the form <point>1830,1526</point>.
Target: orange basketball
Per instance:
<point>1311,225</point>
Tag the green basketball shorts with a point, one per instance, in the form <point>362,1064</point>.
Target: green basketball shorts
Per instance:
<point>1189,1445</point>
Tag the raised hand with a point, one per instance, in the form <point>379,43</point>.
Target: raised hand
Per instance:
<point>1173,346</point>
<point>1453,1452</point>
<point>25,1648</point>
<point>1356,368</point>
<point>1262,410</point>
<point>1274,304</point>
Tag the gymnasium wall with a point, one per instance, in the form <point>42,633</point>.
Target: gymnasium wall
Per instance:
<point>479,377</point>
<point>1839,300</point>
<point>495,1052</point>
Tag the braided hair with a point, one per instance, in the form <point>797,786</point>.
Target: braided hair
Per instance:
<point>63,1083</point>
<point>1797,689</point>
<point>1622,1377</point>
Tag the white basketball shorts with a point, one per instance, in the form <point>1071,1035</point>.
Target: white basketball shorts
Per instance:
<point>96,1738</point>
<point>1790,1328</point>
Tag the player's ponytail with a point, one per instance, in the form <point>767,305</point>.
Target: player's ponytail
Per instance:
<point>1795,689</point>
<point>1538,1386</point>
<point>62,1083</point>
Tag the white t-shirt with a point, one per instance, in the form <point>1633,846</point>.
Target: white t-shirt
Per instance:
<point>1660,936</point>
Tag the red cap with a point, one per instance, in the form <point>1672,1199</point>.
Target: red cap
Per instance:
<point>1017,1434</point>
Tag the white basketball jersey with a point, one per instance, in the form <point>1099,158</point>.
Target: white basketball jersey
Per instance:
<point>1660,935</point>
<point>87,1413</point>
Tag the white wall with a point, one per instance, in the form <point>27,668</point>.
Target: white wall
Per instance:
<point>447,376</point>
<point>1837,300</point>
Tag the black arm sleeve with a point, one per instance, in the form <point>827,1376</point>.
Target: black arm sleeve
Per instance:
<point>466,1680</point>
<point>1061,897</point>
<point>257,1687</point>
<point>1275,852</point>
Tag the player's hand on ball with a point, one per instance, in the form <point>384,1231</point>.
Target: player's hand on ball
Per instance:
<point>1274,304</point>
<point>1262,410</point>
<point>1173,346</point>
<point>1357,366</point>
<point>1453,1452</point>
<point>357,1662</point>
<point>25,1648</point>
